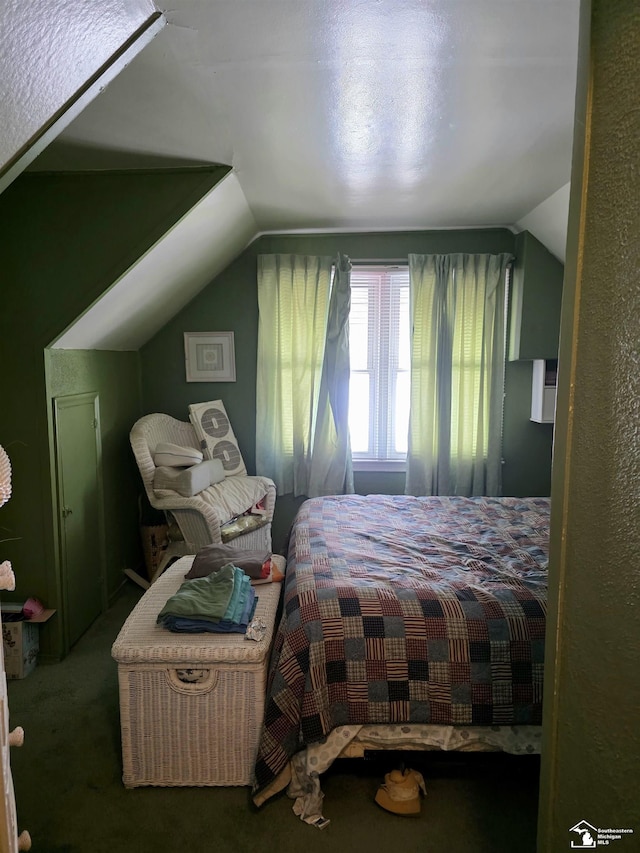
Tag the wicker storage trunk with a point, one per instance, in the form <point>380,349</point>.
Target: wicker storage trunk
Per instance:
<point>191,705</point>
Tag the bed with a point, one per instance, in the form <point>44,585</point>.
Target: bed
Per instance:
<point>407,623</point>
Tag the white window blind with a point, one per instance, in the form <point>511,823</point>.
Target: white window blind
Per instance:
<point>379,341</point>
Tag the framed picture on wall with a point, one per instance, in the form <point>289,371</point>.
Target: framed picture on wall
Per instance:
<point>209,357</point>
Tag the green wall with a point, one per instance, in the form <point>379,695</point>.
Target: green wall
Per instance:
<point>536,299</point>
<point>230,303</point>
<point>533,332</point>
<point>526,446</point>
<point>64,240</point>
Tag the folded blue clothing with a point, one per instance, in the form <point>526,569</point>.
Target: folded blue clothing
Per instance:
<point>183,625</point>
<point>241,587</point>
<point>249,607</point>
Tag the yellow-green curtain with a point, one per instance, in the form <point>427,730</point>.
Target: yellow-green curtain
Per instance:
<point>294,293</point>
<point>457,374</point>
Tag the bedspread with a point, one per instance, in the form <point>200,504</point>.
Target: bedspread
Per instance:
<point>405,609</point>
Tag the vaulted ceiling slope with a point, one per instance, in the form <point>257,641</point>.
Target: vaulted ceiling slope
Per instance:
<point>352,115</point>
<point>54,59</point>
<point>167,276</point>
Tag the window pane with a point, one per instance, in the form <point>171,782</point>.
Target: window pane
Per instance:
<point>404,344</point>
<point>401,412</point>
<point>359,412</point>
<point>359,328</point>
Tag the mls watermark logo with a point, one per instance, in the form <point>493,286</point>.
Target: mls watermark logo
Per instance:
<point>591,837</point>
<point>587,833</point>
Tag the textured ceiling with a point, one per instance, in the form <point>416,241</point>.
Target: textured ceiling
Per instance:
<point>350,114</point>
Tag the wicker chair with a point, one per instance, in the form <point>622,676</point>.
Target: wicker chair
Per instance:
<point>198,521</point>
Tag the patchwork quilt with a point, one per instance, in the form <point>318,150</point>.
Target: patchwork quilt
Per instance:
<point>405,609</point>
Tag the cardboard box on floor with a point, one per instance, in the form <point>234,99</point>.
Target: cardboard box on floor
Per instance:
<point>21,643</point>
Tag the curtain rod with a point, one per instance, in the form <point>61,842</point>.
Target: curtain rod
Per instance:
<point>387,262</point>
<point>380,261</point>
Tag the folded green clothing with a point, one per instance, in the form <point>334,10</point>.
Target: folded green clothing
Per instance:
<point>203,598</point>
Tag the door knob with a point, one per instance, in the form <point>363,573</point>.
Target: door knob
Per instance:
<point>16,737</point>
<point>66,510</point>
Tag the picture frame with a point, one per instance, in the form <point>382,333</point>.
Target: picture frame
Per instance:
<point>209,356</point>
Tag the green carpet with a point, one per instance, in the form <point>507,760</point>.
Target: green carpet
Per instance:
<point>70,796</point>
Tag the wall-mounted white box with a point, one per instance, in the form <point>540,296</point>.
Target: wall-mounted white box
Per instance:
<point>543,391</point>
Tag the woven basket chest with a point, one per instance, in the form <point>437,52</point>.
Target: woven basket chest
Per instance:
<point>191,705</point>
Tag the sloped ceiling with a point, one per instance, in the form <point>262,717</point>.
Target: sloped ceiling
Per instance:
<point>190,255</point>
<point>548,221</point>
<point>352,115</point>
<point>54,59</point>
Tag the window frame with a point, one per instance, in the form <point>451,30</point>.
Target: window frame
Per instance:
<point>382,363</point>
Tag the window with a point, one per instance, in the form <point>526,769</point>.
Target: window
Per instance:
<point>379,343</point>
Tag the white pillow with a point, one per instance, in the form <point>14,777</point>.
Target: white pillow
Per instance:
<point>188,481</point>
<point>216,437</point>
<point>176,456</point>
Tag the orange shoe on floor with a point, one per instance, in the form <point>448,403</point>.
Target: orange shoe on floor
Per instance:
<point>400,793</point>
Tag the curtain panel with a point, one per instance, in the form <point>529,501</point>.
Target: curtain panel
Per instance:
<point>331,467</point>
<point>457,374</point>
<point>303,374</point>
